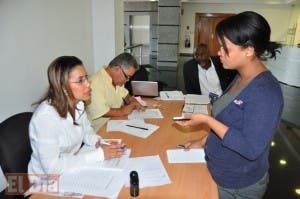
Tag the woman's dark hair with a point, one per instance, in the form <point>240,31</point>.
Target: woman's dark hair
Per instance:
<point>248,29</point>
<point>59,90</point>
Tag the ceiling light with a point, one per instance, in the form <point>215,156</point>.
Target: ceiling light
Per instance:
<point>297,191</point>
<point>282,162</point>
<point>272,143</point>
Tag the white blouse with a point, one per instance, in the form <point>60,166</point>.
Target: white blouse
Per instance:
<point>56,140</point>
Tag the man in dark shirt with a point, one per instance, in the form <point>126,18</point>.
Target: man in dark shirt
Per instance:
<point>204,74</point>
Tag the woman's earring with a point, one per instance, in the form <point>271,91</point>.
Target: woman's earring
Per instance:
<point>65,92</point>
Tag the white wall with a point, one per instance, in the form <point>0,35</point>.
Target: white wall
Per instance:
<point>108,31</point>
<point>32,34</point>
<point>278,16</point>
<point>297,33</point>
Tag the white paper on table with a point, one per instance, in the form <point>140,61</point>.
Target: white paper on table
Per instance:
<point>96,182</point>
<point>147,114</point>
<point>196,99</point>
<point>114,125</point>
<point>139,128</point>
<point>181,156</point>
<point>3,182</point>
<point>118,164</point>
<point>143,132</point>
<point>171,95</point>
<point>150,169</point>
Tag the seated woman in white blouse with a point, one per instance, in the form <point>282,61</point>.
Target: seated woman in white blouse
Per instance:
<point>59,125</point>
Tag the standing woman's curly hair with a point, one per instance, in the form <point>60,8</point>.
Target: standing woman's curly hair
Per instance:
<point>248,29</point>
<point>59,94</point>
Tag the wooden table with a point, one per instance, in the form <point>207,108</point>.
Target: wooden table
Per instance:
<point>189,181</point>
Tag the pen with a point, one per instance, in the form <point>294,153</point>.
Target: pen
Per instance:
<point>167,95</point>
<point>143,128</point>
<point>124,101</point>
<point>181,146</point>
<point>104,142</point>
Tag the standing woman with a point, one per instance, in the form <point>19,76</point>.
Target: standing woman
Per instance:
<point>246,117</point>
<point>59,125</point>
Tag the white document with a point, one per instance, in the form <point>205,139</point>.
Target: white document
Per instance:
<point>147,114</point>
<point>96,182</point>
<point>139,128</point>
<point>171,95</point>
<point>196,99</point>
<point>117,164</point>
<point>181,156</point>
<point>133,127</point>
<point>3,182</point>
<point>114,125</point>
<point>150,170</point>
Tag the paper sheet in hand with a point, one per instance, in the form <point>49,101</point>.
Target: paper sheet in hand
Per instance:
<point>147,114</point>
<point>181,156</point>
<point>150,169</point>
<point>94,182</point>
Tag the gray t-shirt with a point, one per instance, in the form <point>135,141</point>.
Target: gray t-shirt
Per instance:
<point>226,99</point>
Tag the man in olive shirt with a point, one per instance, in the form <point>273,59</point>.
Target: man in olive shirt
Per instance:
<point>109,96</point>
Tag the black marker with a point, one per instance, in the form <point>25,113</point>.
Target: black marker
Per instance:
<point>134,184</point>
<point>137,127</point>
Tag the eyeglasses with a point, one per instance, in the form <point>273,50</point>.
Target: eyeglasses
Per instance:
<point>127,77</point>
<point>82,80</point>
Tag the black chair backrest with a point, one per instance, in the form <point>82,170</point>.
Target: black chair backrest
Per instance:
<point>15,149</point>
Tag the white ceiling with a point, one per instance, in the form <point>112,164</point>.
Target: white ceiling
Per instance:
<point>268,2</point>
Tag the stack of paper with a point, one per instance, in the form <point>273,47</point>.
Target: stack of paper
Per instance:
<point>150,169</point>
<point>171,95</point>
<point>133,127</point>
<point>103,178</point>
<point>194,108</point>
<point>147,114</point>
<point>196,99</point>
<point>92,181</point>
<point>117,164</point>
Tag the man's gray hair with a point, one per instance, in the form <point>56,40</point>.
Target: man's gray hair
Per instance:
<point>125,60</point>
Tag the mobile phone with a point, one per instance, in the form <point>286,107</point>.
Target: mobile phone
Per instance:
<point>180,118</point>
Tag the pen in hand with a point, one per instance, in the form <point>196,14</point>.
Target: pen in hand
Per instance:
<point>124,101</point>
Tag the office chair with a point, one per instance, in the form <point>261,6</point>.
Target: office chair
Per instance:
<point>15,149</point>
